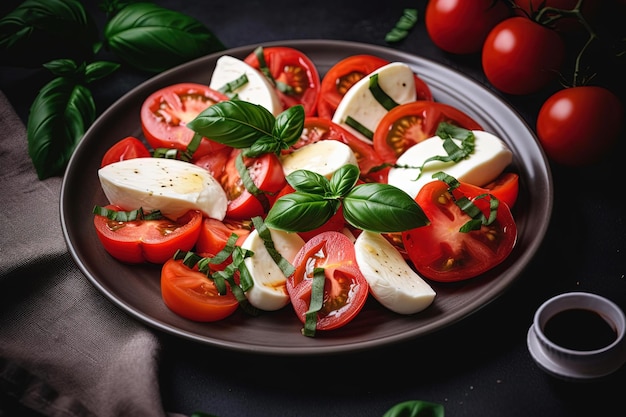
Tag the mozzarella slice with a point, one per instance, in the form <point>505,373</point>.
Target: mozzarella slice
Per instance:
<point>257,90</point>
<point>490,157</point>
<point>396,79</point>
<point>323,157</point>
<point>269,291</point>
<point>169,185</point>
<point>391,280</point>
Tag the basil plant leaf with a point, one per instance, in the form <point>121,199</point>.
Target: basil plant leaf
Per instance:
<point>415,408</point>
<point>234,123</point>
<point>38,31</point>
<point>300,212</point>
<point>382,208</point>
<point>58,118</point>
<point>152,38</point>
<point>344,179</point>
<point>289,126</point>
<point>309,182</point>
<point>99,69</point>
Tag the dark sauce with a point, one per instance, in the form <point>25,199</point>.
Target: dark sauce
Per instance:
<point>580,329</point>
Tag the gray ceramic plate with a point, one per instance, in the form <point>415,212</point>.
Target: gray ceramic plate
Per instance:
<point>135,289</point>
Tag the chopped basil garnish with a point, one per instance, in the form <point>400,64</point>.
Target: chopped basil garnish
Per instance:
<point>316,302</point>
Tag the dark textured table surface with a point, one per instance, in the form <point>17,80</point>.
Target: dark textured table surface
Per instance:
<point>478,367</point>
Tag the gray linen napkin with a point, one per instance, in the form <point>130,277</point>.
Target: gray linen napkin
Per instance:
<point>64,349</point>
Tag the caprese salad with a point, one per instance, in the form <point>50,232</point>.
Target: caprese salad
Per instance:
<point>271,187</point>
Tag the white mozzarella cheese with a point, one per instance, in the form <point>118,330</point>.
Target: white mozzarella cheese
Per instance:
<point>269,291</point>
<point>257,90</point>
<point>323,157</point>
<point>391,280</point>
<point>490,157</point>
<point>169,185</point>
<point>396,79</point>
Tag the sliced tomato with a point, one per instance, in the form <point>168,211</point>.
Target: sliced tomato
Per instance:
<point>192,295</point>
<point>165,113</point>
<point>347,72</point>
<point>215,233</point>
<point>345,288</point>
<point>410,123</point>
<point>505,188</point>
<point>441,252</point>
<point>267,174</point>
<point>128,148</point>
<point>335,223</point>
<point>294,69</point>
<point>215,162</point>
<point>319,128</point>
<point>153,241</point>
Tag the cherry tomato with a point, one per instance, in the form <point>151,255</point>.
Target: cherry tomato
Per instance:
<point>335,223</point>
<point>166,111</point>
<point>318,128</point>
<point>127,148</point>
<point>521,56</point>
<point>577,126</point>
<point>192,295</point>
<point>345,288</point>
<point>214,235</point>
<point>461,26</point>
<point>267,174</point>
<point>410,123</point>
<point>505,188</point>
<point>291,67</point>
<point>153,241</point>
<point>345,73</point>
<point>441,252</point>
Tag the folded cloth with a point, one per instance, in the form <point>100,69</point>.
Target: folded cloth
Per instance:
<point>64,349</point>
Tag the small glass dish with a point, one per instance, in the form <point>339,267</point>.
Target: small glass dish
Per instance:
<point>578,335</point>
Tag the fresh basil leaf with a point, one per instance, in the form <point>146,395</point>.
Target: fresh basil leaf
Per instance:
<point>300,212</point>
<point>38,31</point>
<point>153,38</point>
<point>344,179</point>
<point>289,126</point>
<point>99,69</point>
<point>415,408</point>
<point>406,22</point>
<point>309,182</point>
<point>59,116</point>
<point>235,123</point>
<point>382,208</point>
<point>263,145</point>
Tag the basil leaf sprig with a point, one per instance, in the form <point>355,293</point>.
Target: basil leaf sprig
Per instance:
<point>376,207</point>
<point>38,31</point>
<point>250,126</point>
<point>152,38</point>
<point>61,113</point>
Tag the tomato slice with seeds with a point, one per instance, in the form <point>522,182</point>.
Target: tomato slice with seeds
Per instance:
<point>347,72</point>
<point>153,241</point>
<point>293,68</point>
<point>214,235</point>
<point>267,174</point>
<point>410,123</point>
<point>505,188</point>
<point>194,296</point>
<point>345,288</point>
<point>441,252</point>
<point>165,112</point>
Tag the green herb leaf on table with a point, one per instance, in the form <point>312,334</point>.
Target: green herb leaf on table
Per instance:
<point>59,116</point>
<point>153,39</point>
<point>406,22</point>
<point>38,31</point>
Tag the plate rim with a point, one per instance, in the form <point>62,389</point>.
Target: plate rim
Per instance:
<point>314,349</point>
